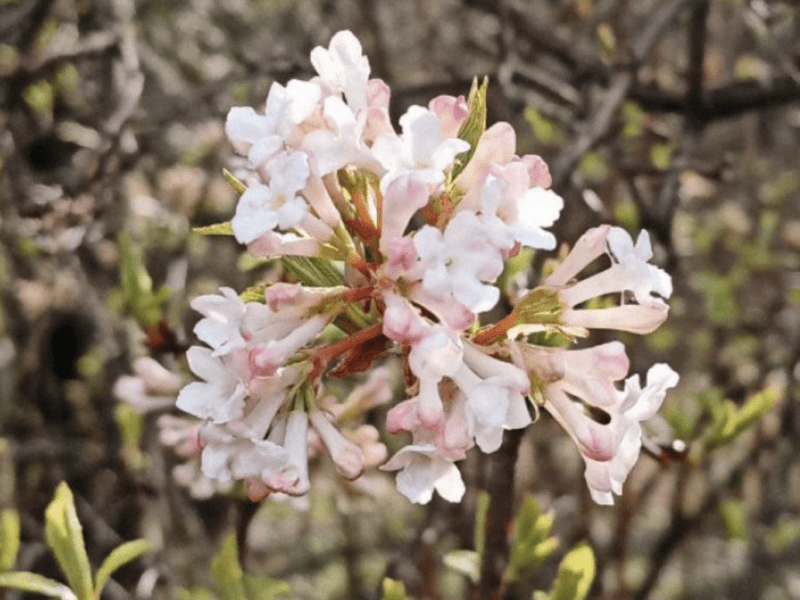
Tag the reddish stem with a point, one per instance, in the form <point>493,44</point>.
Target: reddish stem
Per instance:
<point>322,356</point>
<point>357,294</point>
<point>495,331</point>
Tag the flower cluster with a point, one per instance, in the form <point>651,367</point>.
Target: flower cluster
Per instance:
<point>396,241</point>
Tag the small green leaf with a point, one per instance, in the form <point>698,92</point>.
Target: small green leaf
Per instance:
<point>137,286</point>
<point>466,562</point>
<point>784,533</point>
<point>730,421</point>
<point>122,554</point>
<point>215,229</point>
<point>532,542</point>
<point>734,518</point>
<point>227,571</point>
<point>37,584</point>
<point>393,590</point>
<point>65,538</point>
<point>234,182</point>
<point>130,424</point>
<point>9,538</point>
<point>513,268</point>
<point>266,588</point>
<point>575,574</point>
<point>474,125</point>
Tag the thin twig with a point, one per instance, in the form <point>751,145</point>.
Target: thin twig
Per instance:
<point>603,117</point>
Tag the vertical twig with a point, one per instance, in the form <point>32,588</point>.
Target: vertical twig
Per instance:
<point>500,485</point>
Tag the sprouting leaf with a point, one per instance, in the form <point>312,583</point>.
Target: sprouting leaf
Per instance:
<point>9,538</point>
<point>532,542</point>
<point>37,584</point>
<point>474,125</point>
<point>227,571</point>
<point>137,286</point>
<point>575,574</point>
<point>215,229</point>
<point>466,562</point>
<point>393,590</point>
<point>65,538</point>
<point>121,555</point>
<point>729,421</point>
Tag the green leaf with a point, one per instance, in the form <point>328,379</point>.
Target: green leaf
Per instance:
<point>313,272</point>
<point>513,268</point>
<point>130,424</point>
<point>137,287</point>
<point>266,588</point>
<point>122,554</point>
<point>65,538</point>
<point>393,590</point>
<point>729,421</point>
<point>234,182</point>
<point>474,125</point>
<point>9,538</point>
<point>532,543</point>
<point>466,562</point>
<point>734,518</point>
<point>575,574</point>
<point>227,571</point>
<point>215,229</point>
<point>37,584</point>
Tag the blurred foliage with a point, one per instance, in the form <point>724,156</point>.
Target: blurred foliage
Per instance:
<point>65,538</point>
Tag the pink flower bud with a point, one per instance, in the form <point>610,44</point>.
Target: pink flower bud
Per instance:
<point>345,454</point>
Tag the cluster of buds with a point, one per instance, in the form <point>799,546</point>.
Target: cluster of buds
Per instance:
<point>396,241</point>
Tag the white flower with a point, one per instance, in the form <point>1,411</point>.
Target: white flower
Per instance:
<point>253,135</point>
<point>263,358</point>
<point>220,396</point>
<point>221,327</point>
<point>457,262</point>
<point>420,153</point>
<point>509,204</point>
<point>345,454</point>
<point>495,393</point>
<point>629,272</point>
<point>294,437</point>
<point>262,208</point>
<point>228,455</point>
<point>343,68</point>
<point>605,478</point>
<point>342,144</point>
<point>438,355</point>
<point>423,470</point>
<point>152,388</point>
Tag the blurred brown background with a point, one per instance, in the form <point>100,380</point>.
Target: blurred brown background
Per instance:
<point>680,117</point>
